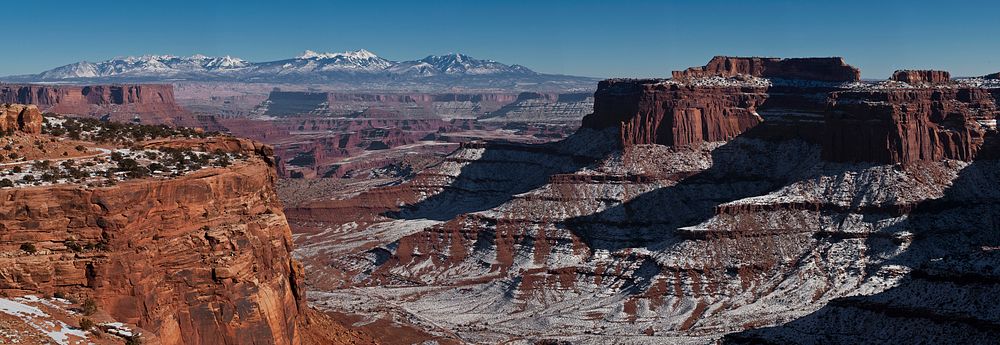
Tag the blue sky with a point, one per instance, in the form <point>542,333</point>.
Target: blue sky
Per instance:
<point>593,38</point>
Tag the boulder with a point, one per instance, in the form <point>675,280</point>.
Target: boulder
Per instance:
<point>20,117</point>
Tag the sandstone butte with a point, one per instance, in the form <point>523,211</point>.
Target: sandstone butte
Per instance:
<point>832,69</point>
<point>198,259</point>
<point>153,103</point>
<point>885,125</point>
<point>921,76</point>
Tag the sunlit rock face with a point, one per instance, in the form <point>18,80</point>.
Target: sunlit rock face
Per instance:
<point>200,256</point>
<point>149,103</point>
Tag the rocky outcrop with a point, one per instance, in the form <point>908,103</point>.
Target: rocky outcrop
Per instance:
<point>151,103</point>
<point>831,69</point>
<point>906,125</point>
<point>992,76</point>
<point>921,77</point>
<point>198,259</point>
<point>852,124</point>
<point>660,112</point>
<point>19,117</point>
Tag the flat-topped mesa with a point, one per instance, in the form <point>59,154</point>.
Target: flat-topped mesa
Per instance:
<point>653,111</point>
<point>922,77</point>
<point>829,69</point>
<point>153,103</point>
<point>20,117</point>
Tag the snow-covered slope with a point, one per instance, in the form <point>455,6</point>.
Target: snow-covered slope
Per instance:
<point>457,64</point>
<point>146,66</point>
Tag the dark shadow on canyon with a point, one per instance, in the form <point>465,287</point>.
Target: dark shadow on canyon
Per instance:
<point>504,170</point>
<point>950,295</point>
<point>742,167</point>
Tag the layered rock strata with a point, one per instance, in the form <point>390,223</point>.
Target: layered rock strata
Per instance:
<point>150,103</point>
<point>906,125</point>
<point>525,106</point>
<point>198,259</point>
<point>666,113</point>
<point>882,125</point>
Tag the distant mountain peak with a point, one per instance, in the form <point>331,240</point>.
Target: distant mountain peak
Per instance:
<point>358,54</point>
<point>359,67</point>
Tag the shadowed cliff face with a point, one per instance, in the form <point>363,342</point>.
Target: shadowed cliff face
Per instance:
<point>650,112</point>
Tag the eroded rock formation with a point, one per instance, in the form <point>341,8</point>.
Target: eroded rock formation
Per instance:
<point>874,124</point>
<point>152,103</point>
<point>660,112</point>
<point>906,125</point>
<point>202,258</point>
<point>832,69</point>
<point>918,77</point>
<point>19,117</point>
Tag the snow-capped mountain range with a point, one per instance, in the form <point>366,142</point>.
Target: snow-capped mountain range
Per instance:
<point>353,67</point>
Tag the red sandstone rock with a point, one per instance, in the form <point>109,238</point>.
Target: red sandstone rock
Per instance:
<point>153,103</point>
<point>832,69</point>
<point>906,125</point>
<point>19,117</point>
<point>918,77</point>
<point>878,125</point>
<point>199,259</point>
<point>651,112</point>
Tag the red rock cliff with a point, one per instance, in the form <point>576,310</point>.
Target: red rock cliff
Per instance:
<point>881,124</point>
<point>832,69</point>
<point>658,112</point>
<point>153,103</point>
<point>906,125</point>
<point>917,77</point>
<point>199,259</point>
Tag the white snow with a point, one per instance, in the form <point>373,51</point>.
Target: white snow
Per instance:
<point>57,330</point>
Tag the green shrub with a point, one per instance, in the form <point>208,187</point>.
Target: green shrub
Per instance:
<point>72,245</point>
<point>86,323</point>
<point>89,307</point>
